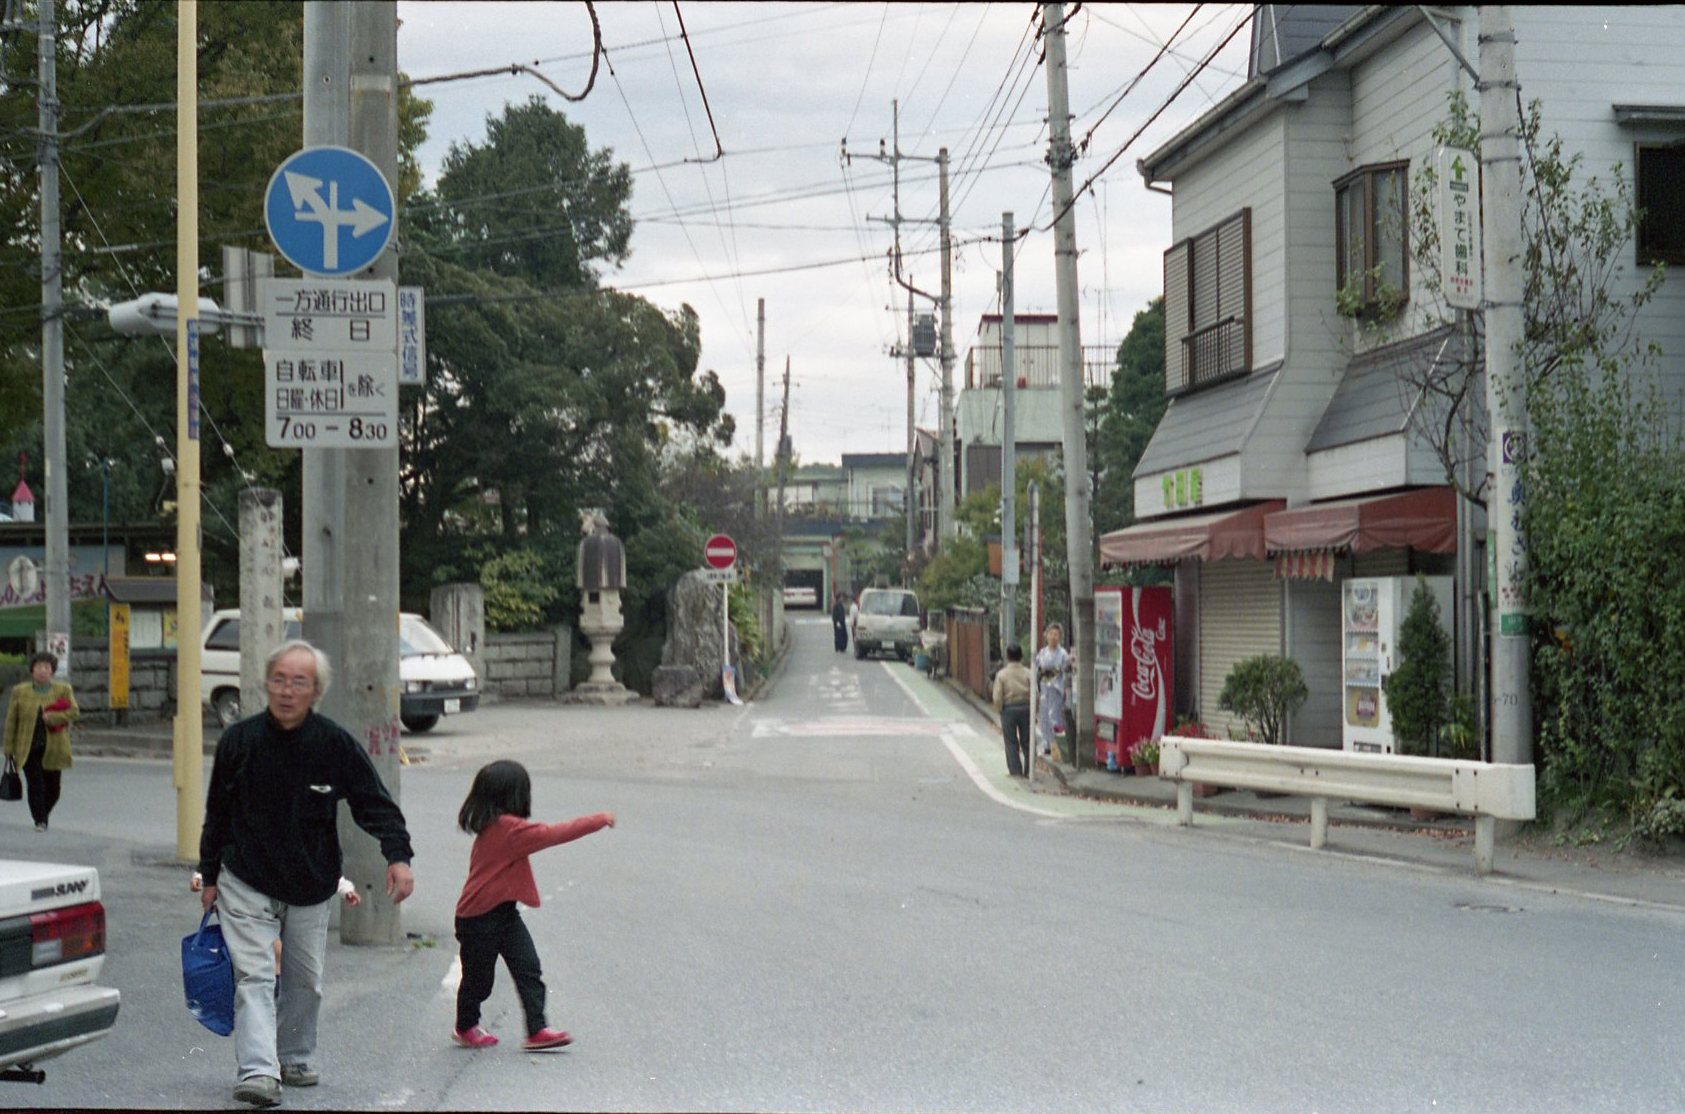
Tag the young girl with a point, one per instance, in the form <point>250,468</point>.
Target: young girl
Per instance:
<point>499,874</point>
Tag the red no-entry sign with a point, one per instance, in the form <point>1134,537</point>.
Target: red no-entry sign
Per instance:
<point>720,552</point>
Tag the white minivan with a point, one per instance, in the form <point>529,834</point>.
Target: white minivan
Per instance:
<point>437,681</point>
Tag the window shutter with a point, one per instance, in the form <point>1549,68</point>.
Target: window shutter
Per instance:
<point>1206,273</point>
<point>1175,317</point>
<point>1231,267</point>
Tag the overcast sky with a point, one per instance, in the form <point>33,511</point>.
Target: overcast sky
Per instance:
<point>786,83</point>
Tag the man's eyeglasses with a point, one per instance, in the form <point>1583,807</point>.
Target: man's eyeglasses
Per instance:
<point>296,684</point>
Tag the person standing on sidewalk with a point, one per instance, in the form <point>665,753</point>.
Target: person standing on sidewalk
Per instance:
<point>37,736</point>
<point>1053,674</point>
<point>1012,700</point>
<point>270,859</point>
<point>497,813</point>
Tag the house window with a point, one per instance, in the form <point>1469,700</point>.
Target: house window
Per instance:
<point>1661,194</point>
<point>1373,234</point>
<point>1208,306</point>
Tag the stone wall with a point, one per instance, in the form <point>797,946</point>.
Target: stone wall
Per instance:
<point>528,664</point>
<point>152,683</point>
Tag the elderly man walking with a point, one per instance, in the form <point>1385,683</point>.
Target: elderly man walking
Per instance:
<point>270,857</point>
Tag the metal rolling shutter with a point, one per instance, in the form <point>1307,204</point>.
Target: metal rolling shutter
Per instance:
<point>1239,617</point>
<point>1382,562</point>
<point>1175,317</point>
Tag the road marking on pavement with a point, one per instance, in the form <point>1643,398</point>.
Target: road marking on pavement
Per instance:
<point>951,741</point>
<point>452,979</point>
<point>844,726</point>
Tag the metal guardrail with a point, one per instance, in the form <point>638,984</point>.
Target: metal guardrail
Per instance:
<point>1488,791</point>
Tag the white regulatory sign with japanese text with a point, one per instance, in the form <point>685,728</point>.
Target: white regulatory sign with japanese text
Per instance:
<point>412,336</point>
<point>324,399</point>
<point>337,315</point>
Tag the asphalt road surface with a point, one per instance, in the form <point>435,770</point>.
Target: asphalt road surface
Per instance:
<point>833,899</point>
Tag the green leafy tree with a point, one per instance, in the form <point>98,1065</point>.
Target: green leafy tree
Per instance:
<point>1264,691</point>
<point>533,201</point>
<point>1129,415</point>
<point>1418,691</point>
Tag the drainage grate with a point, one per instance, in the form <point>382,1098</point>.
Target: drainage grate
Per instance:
<point>1483,907</point>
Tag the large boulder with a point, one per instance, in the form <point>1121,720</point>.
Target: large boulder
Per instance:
<point>693,638</point>
<point>676,686</point>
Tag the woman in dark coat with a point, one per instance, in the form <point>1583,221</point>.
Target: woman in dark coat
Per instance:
<point>839,623</point>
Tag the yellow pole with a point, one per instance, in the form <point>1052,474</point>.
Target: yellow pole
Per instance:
<point>189,723</point>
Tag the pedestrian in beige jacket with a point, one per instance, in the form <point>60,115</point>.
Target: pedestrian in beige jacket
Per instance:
<point>1012,698</point>
<point>38,720</point>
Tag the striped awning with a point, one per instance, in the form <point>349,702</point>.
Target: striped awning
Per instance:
<point>1424,519</point>
<point>1236,532</point>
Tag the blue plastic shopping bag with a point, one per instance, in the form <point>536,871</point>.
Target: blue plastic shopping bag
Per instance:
<point>207,973</point>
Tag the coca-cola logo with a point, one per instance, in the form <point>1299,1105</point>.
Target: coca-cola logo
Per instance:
<point>1144,646</point>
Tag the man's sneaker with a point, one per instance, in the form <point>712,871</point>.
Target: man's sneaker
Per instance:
<point>546,1039</point>
<point>259,1090</point>
<point>473,1038</point>
<point>299,1075</point>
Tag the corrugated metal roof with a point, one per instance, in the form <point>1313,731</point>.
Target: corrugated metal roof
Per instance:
<point>1207,424</point>
<point>874,460</point>
<point>1373,400</point>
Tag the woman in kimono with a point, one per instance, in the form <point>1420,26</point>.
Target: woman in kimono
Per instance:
<point>1053,678</point>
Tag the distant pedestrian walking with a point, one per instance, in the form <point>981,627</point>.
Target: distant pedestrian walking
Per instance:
<point>488,925</point>
<point>1012,698</point>
<point>1053,675</point>
<point>38,734</point>
<point>839,623</point>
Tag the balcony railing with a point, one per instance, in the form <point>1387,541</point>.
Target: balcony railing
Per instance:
<point>1215,352</point>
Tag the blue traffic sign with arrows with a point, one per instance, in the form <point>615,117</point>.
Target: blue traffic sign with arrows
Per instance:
<point>329,210</point>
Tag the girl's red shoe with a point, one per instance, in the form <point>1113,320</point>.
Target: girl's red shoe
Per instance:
<point>473,1038</point>
<point>546,1039</point>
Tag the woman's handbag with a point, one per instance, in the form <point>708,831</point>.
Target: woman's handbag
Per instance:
<point>207,973</point>
<point>11,785</point>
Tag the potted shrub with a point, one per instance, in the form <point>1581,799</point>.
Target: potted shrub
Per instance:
<point>1418,691</point>
<point>1146,758</point>
<point>1264,691</point>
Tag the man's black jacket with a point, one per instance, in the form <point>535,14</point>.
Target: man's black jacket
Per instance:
<point>270,813</point>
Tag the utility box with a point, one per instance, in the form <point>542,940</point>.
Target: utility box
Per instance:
<point>924,335</point>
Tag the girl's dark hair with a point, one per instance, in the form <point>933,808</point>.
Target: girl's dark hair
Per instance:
<point>43,656</point>
<point>500,787</point>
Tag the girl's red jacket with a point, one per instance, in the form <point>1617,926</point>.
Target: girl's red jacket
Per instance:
<point>499,869</point>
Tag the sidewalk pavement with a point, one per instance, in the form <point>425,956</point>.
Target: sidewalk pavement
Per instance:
<point>1533,861</point>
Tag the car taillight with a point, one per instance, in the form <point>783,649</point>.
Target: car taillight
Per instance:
<point>68,934</point>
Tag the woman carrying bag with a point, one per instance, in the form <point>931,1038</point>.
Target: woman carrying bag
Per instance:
<point>37,736</point>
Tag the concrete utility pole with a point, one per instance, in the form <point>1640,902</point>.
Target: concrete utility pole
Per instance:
<point>1506,442</point>
<point>261,626</point>
<point>894,157</point>
<point>915,513</point>
<point>351,495</point>
<point>783,467</point>
<point>1008,442</point>
<point>760,404</point>
<point>947,493</point>
<point>1079,542</point>
<point>52,348</point>
<point>189,751</point>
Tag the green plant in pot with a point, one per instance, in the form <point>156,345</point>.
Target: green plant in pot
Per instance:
<point>1418,691</point>
<point>1264,691</point>
<point>1146,758</point>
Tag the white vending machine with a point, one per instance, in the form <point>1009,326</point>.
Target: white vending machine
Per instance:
<point>1371,611</point>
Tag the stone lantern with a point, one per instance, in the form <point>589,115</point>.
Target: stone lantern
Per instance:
<point>601,576</point>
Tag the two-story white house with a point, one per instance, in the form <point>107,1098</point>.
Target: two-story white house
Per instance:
<point>1288,459</point>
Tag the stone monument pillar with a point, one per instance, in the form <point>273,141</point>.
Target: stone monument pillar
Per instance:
<point>601,576</point>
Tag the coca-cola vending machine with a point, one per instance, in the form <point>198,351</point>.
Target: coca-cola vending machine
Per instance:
<point>1132,668</point>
